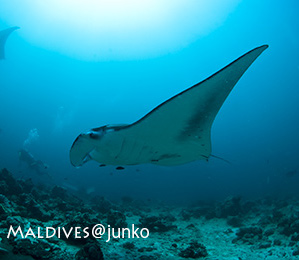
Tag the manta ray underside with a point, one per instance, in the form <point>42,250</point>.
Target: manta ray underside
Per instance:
<point>3,37</point>
<point>177,131</point>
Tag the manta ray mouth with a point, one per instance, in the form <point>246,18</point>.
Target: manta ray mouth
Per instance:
<point>78,155</point>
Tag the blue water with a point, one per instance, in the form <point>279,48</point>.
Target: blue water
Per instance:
<point>256,129</point>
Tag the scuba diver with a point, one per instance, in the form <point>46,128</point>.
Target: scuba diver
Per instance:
<point>36,165</point>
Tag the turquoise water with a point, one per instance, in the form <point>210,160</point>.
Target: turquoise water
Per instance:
<point>61,93</point>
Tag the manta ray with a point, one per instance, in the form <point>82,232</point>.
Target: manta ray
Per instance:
<point>178,131</point>
<point>3,37</point>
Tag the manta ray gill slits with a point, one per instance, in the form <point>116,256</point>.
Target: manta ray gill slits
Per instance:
<point>115,29</point>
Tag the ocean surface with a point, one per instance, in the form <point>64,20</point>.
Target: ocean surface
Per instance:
<point>69,69</point>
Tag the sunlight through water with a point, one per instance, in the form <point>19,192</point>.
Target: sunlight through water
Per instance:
<point>115,29</point>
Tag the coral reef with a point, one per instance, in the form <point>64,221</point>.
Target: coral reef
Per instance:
<point>90,251</point>
<point>194,250</point>
<point>267,228</point>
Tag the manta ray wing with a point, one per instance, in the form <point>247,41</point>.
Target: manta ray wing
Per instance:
<point>177,131</point>
<point>3,37</point>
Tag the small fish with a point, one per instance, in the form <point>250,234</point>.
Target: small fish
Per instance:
<point>119,168</point>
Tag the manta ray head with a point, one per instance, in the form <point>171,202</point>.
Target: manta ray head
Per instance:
<point>90,144</point>
<point>86,141</point>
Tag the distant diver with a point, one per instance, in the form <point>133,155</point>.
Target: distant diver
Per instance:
<point>36,165</point>
<point>177,131</point>
<point>3,37</point>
